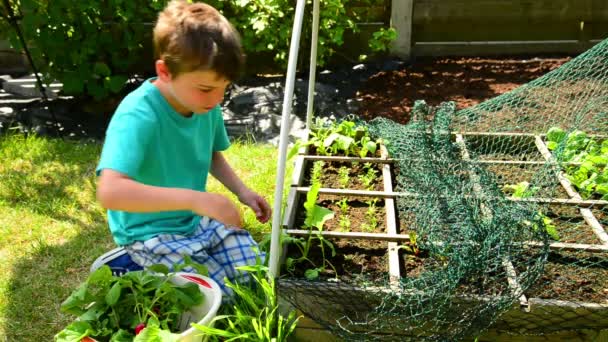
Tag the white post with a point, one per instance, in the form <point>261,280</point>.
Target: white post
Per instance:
<point>313,64</point>
<point>401,21</point>
<point>273,263</point>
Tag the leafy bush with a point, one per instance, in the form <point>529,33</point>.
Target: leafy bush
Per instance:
<point>93,47</point>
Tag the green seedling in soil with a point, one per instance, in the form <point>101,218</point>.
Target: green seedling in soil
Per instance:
<point>523,190</point>
<point>412,247</point>
<point>330,138</point>
<point>316,216</point>
<point>317,169</point>
<point>590,176</point>
<point>520,190</point>
<point>343,176</point>
<point>343,205</point>
<point>545,224</point>
<point>344,222</point>
<point>368,178</point>
<point>370,215</point>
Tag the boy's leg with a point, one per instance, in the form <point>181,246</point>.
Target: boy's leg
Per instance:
<point>231,248</point>
<point>169,250</point>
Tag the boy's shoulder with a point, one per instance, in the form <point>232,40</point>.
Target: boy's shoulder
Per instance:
<point>145,100</point>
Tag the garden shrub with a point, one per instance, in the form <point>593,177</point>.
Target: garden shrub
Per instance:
<point>93,47</point>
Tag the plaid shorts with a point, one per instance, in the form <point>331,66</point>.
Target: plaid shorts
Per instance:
<point>219,248</point>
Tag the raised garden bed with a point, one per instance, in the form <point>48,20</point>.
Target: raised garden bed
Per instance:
<point>381,253</point>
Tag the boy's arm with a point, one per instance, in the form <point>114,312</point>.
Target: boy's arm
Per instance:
<point>221,170</point>
<point>117,191</point>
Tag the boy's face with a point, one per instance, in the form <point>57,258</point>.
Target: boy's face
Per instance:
<point>197,91</point>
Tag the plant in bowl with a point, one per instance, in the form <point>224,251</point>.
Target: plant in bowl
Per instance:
<point>121,308</point>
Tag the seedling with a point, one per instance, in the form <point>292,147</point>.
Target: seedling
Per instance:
<point>330,137</point>
<point>343,176</point>
<point>412,247</point>
<point>316,216</point>
<point>317,169</point>
<point>590,176</point>
<point>523,190</point>
<point>370,215</point>
<point>520,190</point>
<point>343,205</point>
<point>368,178</point>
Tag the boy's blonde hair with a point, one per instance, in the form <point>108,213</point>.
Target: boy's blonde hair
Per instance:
<point>192,37</point>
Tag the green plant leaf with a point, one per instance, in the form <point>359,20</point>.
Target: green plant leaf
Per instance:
<point>75,331</point>
<point>116,83</point>
<point>114,294</point>
<point>318,217</point>
<point>159,268</point>
<point>311,273</point>
<point>556,135</point>
<point>101,69</point>
<point>155,334</point>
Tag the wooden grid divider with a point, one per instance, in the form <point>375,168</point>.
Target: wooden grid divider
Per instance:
<point>391,236</point>
<point>487,215</point>
<point>587,214</point>
<point>394,268</point>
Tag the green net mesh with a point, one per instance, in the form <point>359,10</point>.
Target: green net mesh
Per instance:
<point>504,207</point>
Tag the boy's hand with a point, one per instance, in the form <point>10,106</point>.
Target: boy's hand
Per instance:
<point>257,203</point>
<point>218,207</point>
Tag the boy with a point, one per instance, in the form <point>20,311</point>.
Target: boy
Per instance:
<point>163,140</point>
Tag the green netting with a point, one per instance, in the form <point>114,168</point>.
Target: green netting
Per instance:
<point>505,207</point>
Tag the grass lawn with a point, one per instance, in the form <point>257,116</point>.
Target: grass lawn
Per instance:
<point>52,229</point>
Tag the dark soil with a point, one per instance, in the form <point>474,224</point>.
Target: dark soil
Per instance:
<point>356,212</point>
<point>503,148</point>
<point>465,80</point>
<point>490,283</point>
<point>573,276</point>
<point>539,177</point>
<point>351,261</point>
<point>354,258</point>
<point>571,226</point>
<point>331,175</point>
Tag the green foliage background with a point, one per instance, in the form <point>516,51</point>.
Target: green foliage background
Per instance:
<point>93,47</point>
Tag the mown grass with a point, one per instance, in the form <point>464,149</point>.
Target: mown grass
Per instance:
<point>52,229</point>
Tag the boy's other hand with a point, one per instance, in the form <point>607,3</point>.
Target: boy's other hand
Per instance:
<point>257,203</point>
<point>219,207</point>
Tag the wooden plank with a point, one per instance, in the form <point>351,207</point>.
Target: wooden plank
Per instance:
<point>523,162</point>
<point>350,159</point>
<point>498,20</point>
<point>298,171</point>
<point>487,213</point>
<point>352,235</point>
<point>587,214</point>
<point>564,201</point>
<point>290,211</point>
<point>514,284</point>
<point>401,21</point>
<point>564,246</point>
<point>394,268</point>
<point>384,194</point>
<point>347,192</point>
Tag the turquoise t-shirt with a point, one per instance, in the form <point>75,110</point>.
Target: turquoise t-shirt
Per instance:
<point>153,144</point>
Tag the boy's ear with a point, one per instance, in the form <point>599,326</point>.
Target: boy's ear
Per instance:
<point>162,71</point>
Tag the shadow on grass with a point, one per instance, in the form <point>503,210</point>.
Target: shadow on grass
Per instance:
<point>40,282</point>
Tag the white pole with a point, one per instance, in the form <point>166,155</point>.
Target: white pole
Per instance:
<point>283,140</point>
<point>313,64</point>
